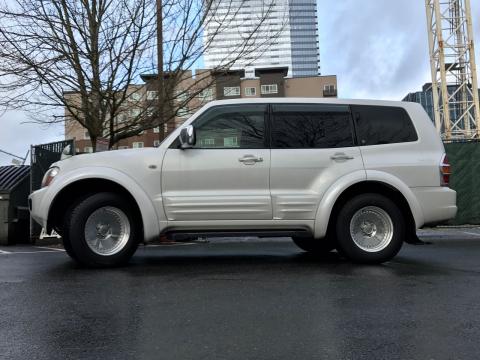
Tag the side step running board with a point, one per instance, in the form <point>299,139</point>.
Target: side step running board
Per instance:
<point>189,235</point>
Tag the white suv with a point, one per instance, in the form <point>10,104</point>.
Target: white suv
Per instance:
<point>356,176</point>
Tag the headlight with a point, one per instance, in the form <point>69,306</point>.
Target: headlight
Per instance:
<point>49,176</point>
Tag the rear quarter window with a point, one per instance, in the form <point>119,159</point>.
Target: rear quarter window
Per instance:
<point>377,125</point>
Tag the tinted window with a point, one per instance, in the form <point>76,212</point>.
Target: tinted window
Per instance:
<point>378,125</point>
<point>229,127</point>
<point>300,126</point>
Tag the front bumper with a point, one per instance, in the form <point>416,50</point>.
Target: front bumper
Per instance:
<point>438,204</point>
<point>38,207</point>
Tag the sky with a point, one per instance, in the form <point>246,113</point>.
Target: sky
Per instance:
<point>377,48</point>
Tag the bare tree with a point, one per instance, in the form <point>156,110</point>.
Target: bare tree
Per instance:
<point>82,60</point>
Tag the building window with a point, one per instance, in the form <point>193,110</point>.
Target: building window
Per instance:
<point>122,118</point>
<point>86,135</point>
<point>250,91</point>
<point>330,88</point>
<point>136,96</point>
<point>156,130</point>
<point>269,89</point>
<point>206,95</point>
<point>181,95</point>
<point>207,143</point>
<point>231,91</point>
<point>156,143</point>
<point>137,145</point>
<point>152,95</point>
<point>183,112</point>
<point>135,112</point>
<point>150,111</point>
<point>230,142</point>
<point>165,128</point>
<point>88,149</point>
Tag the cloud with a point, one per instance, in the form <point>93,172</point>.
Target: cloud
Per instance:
<point>16,136</point>
<point>378,49</point>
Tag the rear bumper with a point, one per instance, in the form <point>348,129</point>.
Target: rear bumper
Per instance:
<point>439,204</point>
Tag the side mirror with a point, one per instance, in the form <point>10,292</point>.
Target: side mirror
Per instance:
<point>187,137</point>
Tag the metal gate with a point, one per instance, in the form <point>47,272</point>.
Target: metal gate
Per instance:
<point>42,157</point>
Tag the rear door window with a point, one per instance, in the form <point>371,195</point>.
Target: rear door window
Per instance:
<point>377,125</point>
<point>311,126</point>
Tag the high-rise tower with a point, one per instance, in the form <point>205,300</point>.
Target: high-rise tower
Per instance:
<point>287,36</point>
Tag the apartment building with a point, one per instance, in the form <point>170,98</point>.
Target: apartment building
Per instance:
<point>195,90</point>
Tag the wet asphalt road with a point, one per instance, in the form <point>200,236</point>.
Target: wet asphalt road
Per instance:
<point>244,300</point>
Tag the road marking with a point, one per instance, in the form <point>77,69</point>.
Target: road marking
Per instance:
<point>4,252</point>
<point>49,248</point>
<point>471,233</point>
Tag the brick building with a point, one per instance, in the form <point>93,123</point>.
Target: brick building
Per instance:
<point>194,91</point>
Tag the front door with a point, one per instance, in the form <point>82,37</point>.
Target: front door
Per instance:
<point>225,176</point>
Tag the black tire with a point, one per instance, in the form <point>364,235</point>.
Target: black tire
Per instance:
<point>66,225</point>
<point>74,231</point>
<point>315,246</point>
<point>347,246</point>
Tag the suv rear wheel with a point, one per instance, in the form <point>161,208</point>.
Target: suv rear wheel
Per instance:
<point>101,231</point>
<point>370,229</point>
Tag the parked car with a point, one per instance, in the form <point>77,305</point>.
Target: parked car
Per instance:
<point>356,176</point>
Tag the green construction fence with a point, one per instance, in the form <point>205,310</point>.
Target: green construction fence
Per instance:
<point>464,158</point>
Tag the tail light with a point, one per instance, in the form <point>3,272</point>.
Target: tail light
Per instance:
<point>445,171</point>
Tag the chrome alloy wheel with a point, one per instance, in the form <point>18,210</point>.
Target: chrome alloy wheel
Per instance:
<point>107,231</point>
<point>371,228</point>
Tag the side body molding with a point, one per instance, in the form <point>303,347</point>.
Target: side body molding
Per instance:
<point>333,193</point>
<point>151,227</point>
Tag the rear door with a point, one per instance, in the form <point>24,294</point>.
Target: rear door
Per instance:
<point>312,147</point>
<point>225,176</point>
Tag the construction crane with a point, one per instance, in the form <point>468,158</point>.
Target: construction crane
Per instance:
<point>454,74</point>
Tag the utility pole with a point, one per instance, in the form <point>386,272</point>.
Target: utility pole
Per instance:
<point>454,73</point>
<point>160,79</point>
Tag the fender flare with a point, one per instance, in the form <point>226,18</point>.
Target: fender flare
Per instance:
<point>327,203</point>
<point>150,220</point>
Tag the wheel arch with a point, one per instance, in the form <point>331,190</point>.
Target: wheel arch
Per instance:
<point>77,188</point>
<point>402,196</point>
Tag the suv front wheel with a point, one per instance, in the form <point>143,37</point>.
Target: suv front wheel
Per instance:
<point>315,246</point>
<point>101,231</point>
<point>370,229</point>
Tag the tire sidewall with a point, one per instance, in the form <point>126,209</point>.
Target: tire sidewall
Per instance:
<point>347,246</point>
<point>78,218</point>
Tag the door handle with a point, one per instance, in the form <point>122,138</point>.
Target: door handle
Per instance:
<point>341,157</point>
<point>250,159</point>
